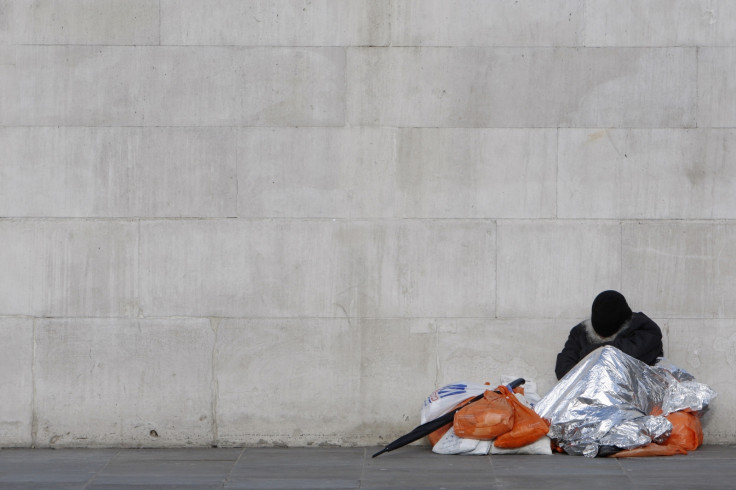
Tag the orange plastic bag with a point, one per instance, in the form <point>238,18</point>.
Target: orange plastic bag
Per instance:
<point>435,436</point>
<point>485,419</point>
<point>687,435</point>
<point>652,449</point>
<point>687,431</point>
<point>528,426</point>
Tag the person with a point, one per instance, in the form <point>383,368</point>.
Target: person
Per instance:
<point>611,323</point>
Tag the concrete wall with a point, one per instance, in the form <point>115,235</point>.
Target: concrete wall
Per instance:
<point>287,222</point>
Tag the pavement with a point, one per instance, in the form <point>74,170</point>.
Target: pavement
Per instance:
<point>331,467</point>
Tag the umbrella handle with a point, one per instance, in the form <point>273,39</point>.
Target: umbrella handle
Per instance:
<point>515,383</point>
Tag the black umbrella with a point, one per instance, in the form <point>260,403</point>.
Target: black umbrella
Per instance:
<point>431,426</point>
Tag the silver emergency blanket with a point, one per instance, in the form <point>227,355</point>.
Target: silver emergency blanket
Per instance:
<point>607,400</point>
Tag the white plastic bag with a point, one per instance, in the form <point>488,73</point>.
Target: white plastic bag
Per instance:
<point>530,388</point>
<point>452,444</point>
<point>444,399</point>
<point>541,446</point>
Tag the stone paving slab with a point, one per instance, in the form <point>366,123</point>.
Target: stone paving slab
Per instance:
<point>351,468</point>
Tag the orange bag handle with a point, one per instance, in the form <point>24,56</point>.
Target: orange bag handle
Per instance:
<point>528,425</point>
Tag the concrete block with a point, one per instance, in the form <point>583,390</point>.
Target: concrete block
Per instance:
<point>707,349</point>
<point>119,22</point>
<point>276,23</point>
<point>716,87</point>
<point>16,382</point>
<point>649,174</point>
<point>554,269</point>
<point>114,172</point>
<point>316,172</point>
<point>68,268</point>
<point>124,382</point>
<point>420,268</point>
<point>236,268</point>
<point>456,173</point>
<point>681,269</point>
<point>659,23</point>
<point>484,350</point>
<point>171,86</point>
<point>382,172</point>
<point>297,268</point>
<point>287,381</point>
<point>399,367</point>
<point>521,87</point>
<point>487,23</point>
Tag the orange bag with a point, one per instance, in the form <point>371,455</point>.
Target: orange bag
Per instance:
<point>687,435</point>
<point>528,426</point>
<point>435,436</point>
<point>485,419</point>
<point>651,449</point>
<point>687,431</point>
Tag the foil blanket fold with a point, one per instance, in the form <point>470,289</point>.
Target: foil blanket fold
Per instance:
<point>608,400</point>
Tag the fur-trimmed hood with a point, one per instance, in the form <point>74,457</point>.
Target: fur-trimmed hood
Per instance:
<point>593,336</point>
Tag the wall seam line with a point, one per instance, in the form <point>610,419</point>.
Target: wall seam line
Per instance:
<point>159,23</point>
<point>495,265</point>
<point>557,174</point>
<point>236,139</point>
<point>139,274</point>
<point>215,388</point>
<point>621,254</point>
<point>34,399</point>
<point>697,87</point>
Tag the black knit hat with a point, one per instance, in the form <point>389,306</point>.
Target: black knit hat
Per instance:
<point>610,311</point>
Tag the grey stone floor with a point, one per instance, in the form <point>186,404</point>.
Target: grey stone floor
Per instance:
<point>409,467</point>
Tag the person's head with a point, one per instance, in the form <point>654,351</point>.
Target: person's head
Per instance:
<point>609,312</point>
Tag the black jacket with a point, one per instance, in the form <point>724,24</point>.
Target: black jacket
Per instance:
<point>640,337</point>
